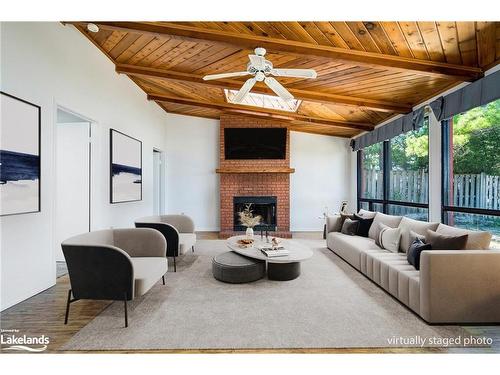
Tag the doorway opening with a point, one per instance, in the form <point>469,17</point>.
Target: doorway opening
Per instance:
<point>158,182</point>
<point>72,180</point>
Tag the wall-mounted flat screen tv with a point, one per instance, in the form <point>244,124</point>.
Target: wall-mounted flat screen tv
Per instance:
<point>255,143</point>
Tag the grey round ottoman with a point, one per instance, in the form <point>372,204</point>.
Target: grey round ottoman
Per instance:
<point>234,268</point>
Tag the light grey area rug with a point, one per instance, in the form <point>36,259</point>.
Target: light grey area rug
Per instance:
<point>331,305</point>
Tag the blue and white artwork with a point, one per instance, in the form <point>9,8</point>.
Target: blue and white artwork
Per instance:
<point>126,168</point>
<point>19,156</point>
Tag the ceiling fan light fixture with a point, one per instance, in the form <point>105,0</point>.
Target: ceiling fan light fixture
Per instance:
<point>92,27</point>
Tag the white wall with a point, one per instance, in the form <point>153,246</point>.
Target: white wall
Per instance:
<point>192,155</point>
<point>322,178</point>
<point>50,64</point>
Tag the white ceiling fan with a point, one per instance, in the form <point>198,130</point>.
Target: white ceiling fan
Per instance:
<point>261,69</point>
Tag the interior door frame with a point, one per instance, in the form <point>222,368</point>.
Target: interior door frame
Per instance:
<point>92,128</point>
<point>162,178</point>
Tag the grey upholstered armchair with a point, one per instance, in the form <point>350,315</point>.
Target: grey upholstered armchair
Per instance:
<point>178,230</point>
<point>114,264</point>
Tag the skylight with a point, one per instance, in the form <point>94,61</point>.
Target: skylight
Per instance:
<point>264,101</point>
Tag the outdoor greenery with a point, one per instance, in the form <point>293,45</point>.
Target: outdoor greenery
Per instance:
<point>476,140</point>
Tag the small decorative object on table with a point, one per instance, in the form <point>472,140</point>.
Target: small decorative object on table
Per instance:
<point>248,219</point>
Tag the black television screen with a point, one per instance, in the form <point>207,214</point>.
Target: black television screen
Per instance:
<point>255,143</point>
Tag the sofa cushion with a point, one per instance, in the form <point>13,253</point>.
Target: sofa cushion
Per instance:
<point>440,241</point>
<point>350,227</point>
<point>389,220</point>
<point>186,241</point>
<point>414,251</point>
<point>366,214</point>
<point>420,227</point>
<point>350,247</point>
<point>477,240</point>
<point>389,238</point>
<point>334,223</point>
<point>147,271</point>
<point>364,225</point>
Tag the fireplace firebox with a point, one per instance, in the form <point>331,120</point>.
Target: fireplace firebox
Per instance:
<point>260,205</point>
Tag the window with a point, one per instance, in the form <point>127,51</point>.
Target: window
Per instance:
<point>471,170</point>
<point>372,172</point>
<point>264,101</point>
<point>393,176</point>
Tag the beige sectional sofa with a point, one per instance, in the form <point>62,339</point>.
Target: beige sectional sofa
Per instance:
<point>452,286</point>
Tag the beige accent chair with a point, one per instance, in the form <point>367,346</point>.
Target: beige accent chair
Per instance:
<point>178,231</point>
<point>452,286</point>
<point>114,264</point>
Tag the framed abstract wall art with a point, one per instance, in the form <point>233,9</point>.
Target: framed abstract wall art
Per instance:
<point>125,168</point>
<point>20,127</point>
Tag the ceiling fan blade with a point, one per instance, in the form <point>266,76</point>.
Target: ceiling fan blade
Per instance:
<point>245,89</point>
<point>295,73</point>
<point>224,75</point>
<point>257,61</point>
<point>278,88</point>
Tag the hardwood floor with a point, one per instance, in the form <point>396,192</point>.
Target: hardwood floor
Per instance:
<point>43,314</point>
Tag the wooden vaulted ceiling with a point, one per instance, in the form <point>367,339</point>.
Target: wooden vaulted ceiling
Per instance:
<point>367,71</point>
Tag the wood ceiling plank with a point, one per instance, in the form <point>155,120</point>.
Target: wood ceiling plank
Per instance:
<point>364,37</point>
<point>432,40</point>
<point>135,47</point>
<point>449,40</point>
<point>123,44</point>
<point>456,72</point>
<point>208,57</point>
<point>303,35</point>
<point>173,49</point>
<point>348,36</point>
<point>486,38</point>
<point>113,40</point>
<point>160,52</point>
<point>398,41</point>
<point>153,45</point>
<point>316,33</point>
<point>381,39</point>
<point>412,34</point>
<point>270,30</point>
<point>329,31</point>
<point>467,42</point>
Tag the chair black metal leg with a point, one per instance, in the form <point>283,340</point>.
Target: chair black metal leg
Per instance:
<point>163,278</point>
<point>175,266</point>
<point>67,307</point>
<point>192,248</point>
<point>125,306</point>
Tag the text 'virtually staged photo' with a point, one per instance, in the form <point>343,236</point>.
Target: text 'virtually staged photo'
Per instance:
<point>249,186</point>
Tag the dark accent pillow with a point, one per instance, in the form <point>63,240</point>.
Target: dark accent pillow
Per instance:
<point>441,242</point>
<point>342,219</point>
<point>414,251</point>
<point>350,227</point>
<point>364,225</point>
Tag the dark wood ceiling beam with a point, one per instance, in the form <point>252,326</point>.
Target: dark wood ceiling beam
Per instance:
<point>426,67</point>
<point>370,104</point>
<point>272,113</point>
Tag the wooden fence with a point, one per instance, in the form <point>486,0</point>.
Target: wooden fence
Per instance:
<point>469,190</point>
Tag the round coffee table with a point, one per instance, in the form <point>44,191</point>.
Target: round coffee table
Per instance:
<point>278,268</point>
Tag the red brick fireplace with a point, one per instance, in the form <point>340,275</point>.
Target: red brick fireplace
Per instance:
<point>258,178</point>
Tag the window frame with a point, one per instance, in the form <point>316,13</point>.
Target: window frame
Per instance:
<point>445,173</point>
<point>386,169</point>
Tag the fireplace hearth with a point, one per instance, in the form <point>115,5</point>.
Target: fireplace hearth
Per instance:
<point>265,206</point>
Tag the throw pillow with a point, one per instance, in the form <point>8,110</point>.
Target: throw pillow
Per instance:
<point>366,214</point>
<point>389,220</point>
<point>441,242</point>
<point>414,251</point>
<point>389,238</point>
<point>343,217</point>
<point>350,227</point>
<point>364,225</point>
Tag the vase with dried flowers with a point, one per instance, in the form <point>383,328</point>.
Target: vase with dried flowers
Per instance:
<point>249,220</point>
